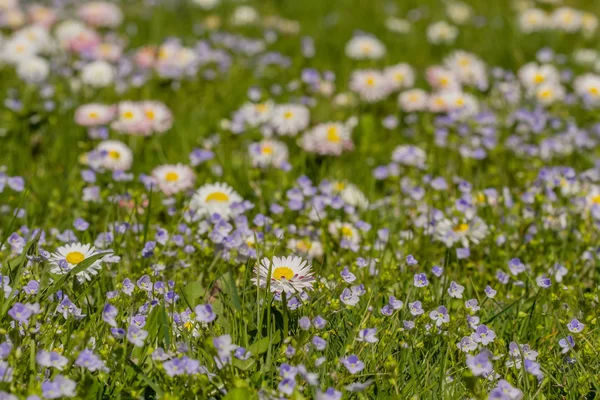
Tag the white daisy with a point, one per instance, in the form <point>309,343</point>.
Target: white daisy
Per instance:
<point>468,68</point>
<point>33,69</point>
<point>344,231</point>
<point>549,93</point>
<point>365,47</point>
<point>289,119</point>
<point>400,76</point>
<point>330,138</point>
<point>215,198</point>
<point>567,19</point>
<point>94,114</point>
<point>131,119</point>
<point>173,179</point>
<point>464,232</point>
<point>587,86</point>
<point>533,75</point>
<point>255,114</point>
<point>441,32</point>
<point>68,256</point>
<point>157,114</point>
<point>17,49</point>
<point>268,152</point>
<point>413,100</point>
<point>115,155</point>
<point>98,74</point>
<point>352,195</point>
<point>306,247</point>
<point>533,20</point>
<point>370,84</point>
<point>287,274</point>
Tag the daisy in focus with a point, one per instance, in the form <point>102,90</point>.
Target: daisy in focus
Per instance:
<point>69,256</point>
<point>287,274</point>
<point>215,198</point>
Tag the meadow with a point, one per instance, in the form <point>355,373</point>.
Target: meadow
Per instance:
<point>310,199</point>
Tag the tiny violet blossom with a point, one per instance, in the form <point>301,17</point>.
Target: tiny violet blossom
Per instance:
<point>352,364</point>
<point>484,335</point>
<point>575,326</point>
<point>416,308</point>
<point>455,290</point>
<point>480,364</point>
<point>136,335</point>
<point>566,344</point>
<point>420,280</point>
<point>367,335</point>
<point>204,313</point>
<point>440,316</point>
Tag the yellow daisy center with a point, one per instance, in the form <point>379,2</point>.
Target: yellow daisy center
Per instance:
<point>596,199</point>
<point>149,114</point>
<point>347,231</point>
<point>217,197</point>
<point>267,149</point>
<point>332,134</point>
<point>163,53</point>
<point>283,272</point>
<point>288,115</point>
<point>75,257</point>
<point>303,246</point>
<point>399,77</point>
<point>171,176</point>
<point>115,155</point>
<point>539,78</point>
<point>545,94</point>
<point>339,186</point>
<point>461,228</point>
<point>261,108</point>
<point>128,115</point>
<point>93,115</point>
<point>370,81</point>
<point>594,91</point>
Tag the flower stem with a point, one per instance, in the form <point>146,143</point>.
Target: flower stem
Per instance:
<point>285,314</point>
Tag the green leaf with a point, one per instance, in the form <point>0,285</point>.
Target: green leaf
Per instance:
<point>192,292</point>
<point>228,286</point>
<point>241,394</point>
<point>263,344</point>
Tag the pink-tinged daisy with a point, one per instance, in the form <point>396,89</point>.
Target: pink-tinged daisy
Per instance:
<point>158,116</point>
<point>132,120</point>
<point>286,274</point>
<point>94,114</point>
<point>172,179</point>
<point>100,14</point>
